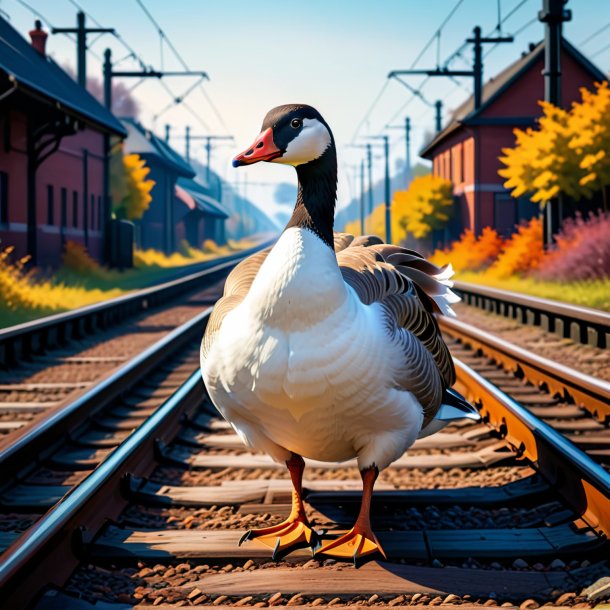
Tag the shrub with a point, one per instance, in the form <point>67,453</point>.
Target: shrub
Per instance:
<point>470,253</point>
<point>521,253</point>
<point>582,252</point>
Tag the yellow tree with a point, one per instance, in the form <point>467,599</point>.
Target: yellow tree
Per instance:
<point>129,186</point>
<point>425,206</point>
<point>590,126</point>
<point>565,154</point>
<point>542,163</point>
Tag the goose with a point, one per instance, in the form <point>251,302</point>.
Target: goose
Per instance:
<point>325,346</point>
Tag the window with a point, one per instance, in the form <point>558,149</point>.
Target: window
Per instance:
<point>64,207</point>
<point>50,205</point>
<point>74,209</point>
<point>3,198</point>
<point>92,225</point>
<point>505,214</point>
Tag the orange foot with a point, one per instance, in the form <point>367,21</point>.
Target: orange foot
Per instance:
<point>358,543</point>
<point>282,538</point>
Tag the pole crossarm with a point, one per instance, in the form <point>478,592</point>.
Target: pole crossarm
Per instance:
<point>158,74</point>
<point>477,67</point>
<point>431,72</point>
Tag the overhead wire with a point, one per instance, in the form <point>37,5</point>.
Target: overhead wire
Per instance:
<point>163,35</point>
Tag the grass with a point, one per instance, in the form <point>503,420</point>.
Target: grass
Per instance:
<point>590,293</point>
<point>80,281</point>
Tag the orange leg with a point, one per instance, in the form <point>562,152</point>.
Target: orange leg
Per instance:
<point>295,531</point>
<point>360,541</point>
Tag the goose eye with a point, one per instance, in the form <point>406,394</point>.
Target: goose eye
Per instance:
<point>296,123</point>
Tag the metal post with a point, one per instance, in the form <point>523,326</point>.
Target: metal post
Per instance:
<point>208,150</point>
<point>388,195</point>
<point>167,130</point>
<point>81,49</point>
<point>477,68</point>
<point>552,15</point>
<point>108,79</point>
<point>362,215</point>
<point>369,162</point>
<point>187,138</point>
<point>81,31</point>
<point>106,203</point>
<point>408,151</point>
<point>438,118</point>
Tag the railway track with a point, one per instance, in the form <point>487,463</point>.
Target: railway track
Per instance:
<point>581,324</point>
<point>506,511</point>
<point>48,363</point>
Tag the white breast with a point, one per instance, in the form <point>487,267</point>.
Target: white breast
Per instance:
<point>302,365</point>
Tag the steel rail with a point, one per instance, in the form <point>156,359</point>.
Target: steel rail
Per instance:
<point>48,547</point>
<point>581,324</point>
<point>20,341</point>
<point>43,437</point>
<point>588,392</point>
<point>582,484</point>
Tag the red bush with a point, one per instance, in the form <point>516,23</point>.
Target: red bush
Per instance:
<point>582,251</point>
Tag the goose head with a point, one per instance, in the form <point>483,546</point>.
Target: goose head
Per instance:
<point>294,134</point>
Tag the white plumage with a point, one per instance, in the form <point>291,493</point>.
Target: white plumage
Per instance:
<point>302,365</point>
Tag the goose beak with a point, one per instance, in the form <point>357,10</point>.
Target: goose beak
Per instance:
<point>263,149</point>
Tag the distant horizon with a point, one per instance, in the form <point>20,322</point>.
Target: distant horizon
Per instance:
<point>334,56</point>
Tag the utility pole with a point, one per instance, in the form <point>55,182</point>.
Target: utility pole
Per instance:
<point>81,32</point>
<point>438,115</point>
<point>553,15</point>
<point>167,130</point>
<point>362,197</point>
<point>387,189</point>
<point>477,67</point>
<point>407,129</point>
<point>208,150</point>
<point>109,74</point>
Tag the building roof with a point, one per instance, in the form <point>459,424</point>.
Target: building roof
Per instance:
<point>144,142</point>
<point>38,74</point>
<point>498,85</point>
<point>192,192</point>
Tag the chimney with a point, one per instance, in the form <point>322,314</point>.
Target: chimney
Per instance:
<point>39,38</point>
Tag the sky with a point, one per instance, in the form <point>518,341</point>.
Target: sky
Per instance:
<point>332,54</point>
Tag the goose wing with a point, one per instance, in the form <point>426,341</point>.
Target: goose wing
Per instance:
<point>411,290</point>
<point>236,288</point>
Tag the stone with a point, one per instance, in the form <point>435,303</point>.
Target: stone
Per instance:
<point>520,564</point>
<point>396,601</point>
<point>295,600</point>
<point>563,599</point>
<point>274,598</point>
<point>451,599</point>
<point>220,599</point>
<point>248,564</point>
<point>529,604</point>
<point>599,589</point>
<point>373,598</point>
<point>557,564</point>
<point>244,600</point>
<point>194,593</point>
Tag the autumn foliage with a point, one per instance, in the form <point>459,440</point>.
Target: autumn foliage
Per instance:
<point>424,206</point>
<point>521,253</point>
<point>582,251</point>
<point>471,253</point>
<point>130,188</point>
<point>566,154</point>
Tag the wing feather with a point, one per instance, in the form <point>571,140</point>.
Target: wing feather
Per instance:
<point>411,290</point>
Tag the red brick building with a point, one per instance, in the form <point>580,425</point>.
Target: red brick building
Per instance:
<point>466,151</point>
<point>51,154</point>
